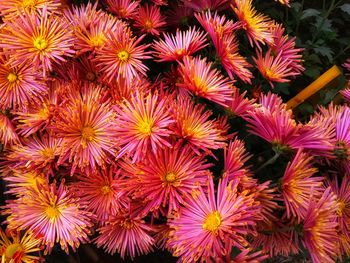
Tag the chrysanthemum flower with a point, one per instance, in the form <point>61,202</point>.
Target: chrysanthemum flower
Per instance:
<point>53,214</point>
<point>101,192</point>
<point>184,43</point>
<point>235,156</point>
<point>94,37</point>
<point>276,238</point>
<point>320,236</point>
<point>20,181</point>
<point>8,135</point>
<point>160,2</point>
<point>168,177</point>
<point>343,200</point>
<point>123,8</point>
<point>193,126</point>
<point>18,248</point>
<point>239,105</point>
<point>121,56</point>
<point>285,47</point>
<point>143,125</point>
<point>203,5</point>
<point>19,86</point>
<point>126,234</point>
<point>274,123</point>
<point>248,255</point>
<point>204,81</point>
<point>296,184</point>
<point>39,115</point>
<point>274,68</point>
<point>211,222</point>
<point>37,40</point>
<point>216,26</point>
<point>84,16</point>
<point>11,9</point>
<point>231,60</point>
<point>256,25</point>
<point>36,152</point>
<point>86,125</point>
<point>149,20</point>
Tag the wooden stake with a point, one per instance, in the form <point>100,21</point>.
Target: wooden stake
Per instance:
<point>314,87</point>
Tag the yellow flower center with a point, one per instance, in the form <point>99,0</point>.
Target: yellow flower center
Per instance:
<point>148,24</point>
<point>170,177</point>
<point>106,189</point>
<point>88,133</point>
<point>212,222</point>
<point>145,127</point>
<point>12,77</point>
<point>97,41</point>
<point>40,43</point>
<point>123,55</point>
<point>29,3</point>
<point>48,153</point>
<point>90,76</point>
<point>12,249</point>
<point>52,212</point>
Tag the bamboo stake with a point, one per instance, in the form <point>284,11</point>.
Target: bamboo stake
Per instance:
<point>314,87</point>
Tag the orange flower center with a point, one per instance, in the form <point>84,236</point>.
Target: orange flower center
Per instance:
<point>148,24</point>
<point>40,43</point>
<point>12,77</point>
<point>341,207</point>
<point>52,212</point>
<point>13,249</point>
<point>212,222</point>
<point>90,76</point>
<point>88,133</point>
<point>127,224</point>
<point>123,55</point>
<point>106,189</point>
<point>48,153</point>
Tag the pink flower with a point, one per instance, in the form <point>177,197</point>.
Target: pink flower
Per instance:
<point>184,43</point>
<point>256,25</point>
<point>86,126</point>
<point>211,223</point>
<point>167,178</point>
<point>320,237</point>
<point>39,41</point>
<point>126,234</point>
<point>204,81</point>
<point>121,56</point>
<point>123,8</point>
<point>101,191</point>
<point>8,135</point>
<point>231,60</point>
<point>149,20</point>
<point>296,184</point>
<point>53,214</point>
<point>200,5</point>
<point>193,126</point>
<point>239,105</point>
<point>143,125</point>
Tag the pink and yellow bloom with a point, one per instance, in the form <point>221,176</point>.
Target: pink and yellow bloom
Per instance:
<point>175,47</point>
<point>53,214</point>
<point>211,222</point>
<point>149,20</point>
<point>143,125</point>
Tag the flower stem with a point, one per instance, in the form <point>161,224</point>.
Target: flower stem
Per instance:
<point>270,161</point>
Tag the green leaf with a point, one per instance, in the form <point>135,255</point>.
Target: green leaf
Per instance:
<point>323,25</point>
<point>309,13</point>
<point>296,6</point>
<point>313,72</point>
<point>325,51</point>
<point>345,8</point>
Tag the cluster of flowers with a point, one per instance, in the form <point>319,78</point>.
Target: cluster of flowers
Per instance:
<point>96,147</point>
